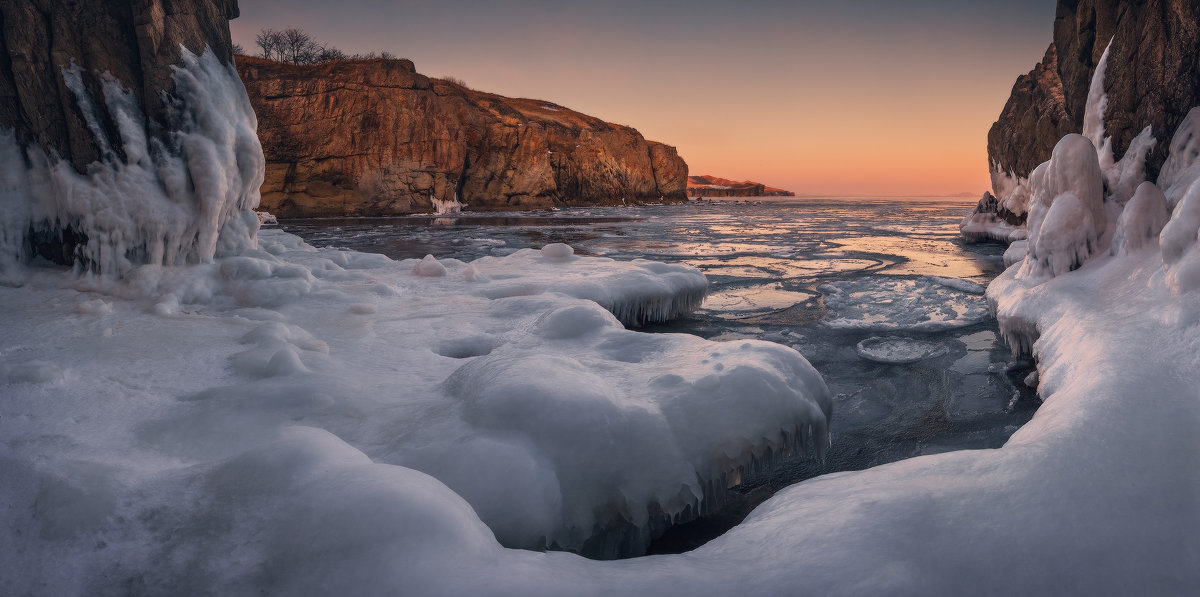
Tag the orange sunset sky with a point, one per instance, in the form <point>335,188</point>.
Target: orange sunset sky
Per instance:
<point>861,97</point>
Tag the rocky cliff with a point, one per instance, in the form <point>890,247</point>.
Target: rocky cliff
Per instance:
<point>1152,79</point>
<point>375,137</point>
<point>714,186</point>
<point>137,42</point>
<point>125,135</point>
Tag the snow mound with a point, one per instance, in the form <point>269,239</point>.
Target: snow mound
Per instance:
<point>886,303</point>
<point>638,292</point>
<point>1067,217</point>
<point>896,350</point>
<point>1182,165</point>
<point>557,426</point>
<point>1141,221</point>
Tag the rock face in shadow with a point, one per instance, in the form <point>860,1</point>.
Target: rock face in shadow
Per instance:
<point>1152,79</point>
<point>136,41</point>
<point>375,137</point>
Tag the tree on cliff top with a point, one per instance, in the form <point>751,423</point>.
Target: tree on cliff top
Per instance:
<point>298,47</point>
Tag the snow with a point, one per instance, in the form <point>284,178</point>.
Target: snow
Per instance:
<point>892,303</point>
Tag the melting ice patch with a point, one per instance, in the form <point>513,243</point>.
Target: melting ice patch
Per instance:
<point>885,303</point>
<point>737,302</point>
<point>898,350</point>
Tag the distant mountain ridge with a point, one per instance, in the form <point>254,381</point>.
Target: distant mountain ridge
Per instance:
<point>715,186</point>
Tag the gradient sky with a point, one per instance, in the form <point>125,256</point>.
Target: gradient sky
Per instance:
<point>851,97</point>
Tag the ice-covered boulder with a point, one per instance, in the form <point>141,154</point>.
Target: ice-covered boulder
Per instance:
<point>1067,216</point>
<point>1180,181</point>
<point>637,292</point>
<point>1183,162</point>
<point>1141,221</point>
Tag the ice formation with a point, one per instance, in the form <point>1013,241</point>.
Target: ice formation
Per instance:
<point>637,292</point>
<point>1119,180</point>
<point>446,206</point>
<point>892,303</point>
<point>1067,216</point>
<point>184,200</point>
<point>897,350</point>
<point>1012,195</point>
<point>1141,220</point>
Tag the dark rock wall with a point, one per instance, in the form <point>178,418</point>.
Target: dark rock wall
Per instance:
<point>1153,78</point>
<point>137,41</point>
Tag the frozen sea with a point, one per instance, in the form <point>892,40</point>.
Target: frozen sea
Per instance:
<point>881,295</point>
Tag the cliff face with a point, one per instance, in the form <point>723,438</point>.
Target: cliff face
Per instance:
<point>1152,79</point>
<point>713,186</point>
<point>136,41</point>
<point>125,135</point>
<point>375,137</point>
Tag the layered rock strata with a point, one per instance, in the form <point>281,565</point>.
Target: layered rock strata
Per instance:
<point>377,138</point>
<point>713,186</point>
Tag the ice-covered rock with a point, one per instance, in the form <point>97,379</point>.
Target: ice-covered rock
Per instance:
<point>1067,216</point>
<point>185,200</point>
<point>1141,221</point>
<point>637,292</point>
<point>1183,162</point>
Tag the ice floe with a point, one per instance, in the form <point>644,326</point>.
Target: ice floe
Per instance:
<point>898,350</point>
<point>889,303</point>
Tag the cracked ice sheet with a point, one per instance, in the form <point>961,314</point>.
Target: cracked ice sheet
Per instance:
<point>190,420</point>
<point>888,303</point>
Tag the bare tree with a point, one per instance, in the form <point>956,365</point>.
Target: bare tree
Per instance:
<point>330,53</point>
<point>239,50</point>
<point>297,47</point>
<point>270,43</point>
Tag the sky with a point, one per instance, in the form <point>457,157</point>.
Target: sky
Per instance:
<point>857,97</point>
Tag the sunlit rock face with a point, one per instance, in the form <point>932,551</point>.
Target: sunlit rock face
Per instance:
<point>1150,81</point>
<point>125,135</point>
<point>375,137</point>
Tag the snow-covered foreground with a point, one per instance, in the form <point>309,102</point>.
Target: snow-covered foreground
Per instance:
<point>269,437</point>
<point>175,395</point>
<point>259,416</point>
